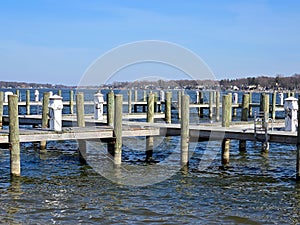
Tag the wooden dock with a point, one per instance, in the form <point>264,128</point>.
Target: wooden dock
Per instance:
<point>82,126</point>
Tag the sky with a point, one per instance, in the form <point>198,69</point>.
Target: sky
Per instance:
<point>51,41</point>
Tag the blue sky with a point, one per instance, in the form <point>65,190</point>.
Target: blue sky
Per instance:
<point>49,41</point>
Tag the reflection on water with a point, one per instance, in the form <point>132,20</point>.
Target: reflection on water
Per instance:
<point>56,189</point>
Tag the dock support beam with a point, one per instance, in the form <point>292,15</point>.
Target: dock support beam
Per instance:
<point>118,129</point>
<point>45,111</point>
<point>179,94</point>
<point>265,108</point>
<point>298,146</point>
<point>226,118</point>
<point>245,113</point>
<point>211,102</point>
<point>14,141</point>
<point>129,101</point>
<point>71,102</point>
<point>135,95</point>
<point>225,152</point>
<point>27,102</point>
<point>81,123</point>
<point>274,105</point>
<point>217,106</point>
<point>150,119</point>
<point>226,110</point>
<point>80,109</point>
<point>1,109</point>
<point>250,104</point>
<point>110,108</point>
<point>168,107</point>
<point>185,102</point>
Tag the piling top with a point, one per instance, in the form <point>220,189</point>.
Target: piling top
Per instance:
<point>290,99</point>
<point>55,97</point>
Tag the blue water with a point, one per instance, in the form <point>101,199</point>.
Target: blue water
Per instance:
<point>55,188</point>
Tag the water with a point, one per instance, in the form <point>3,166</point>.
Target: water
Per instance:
<point>55,188</point>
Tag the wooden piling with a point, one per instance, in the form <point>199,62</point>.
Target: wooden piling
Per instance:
<point>80,109</point>
<point>230,113</point>
<point>245,113</point>
<point>135,95</point>
<point>264,107</point>
<point>45,111</point>
<point>298,146</point>
<point>81,123</point>
<point>225,151</point>
<point>179,94</point>
<point>59,92</point>
<point>168,107</point>
<point>1,109</point>
<point>226,109</point>
<point>250,102</point>
<point>71,102</point>
<point>150,119</point>
<point>110,108</point>
<point>217,106</point>
<point>210,103</point>
<point>144,95</point>
<point>129,101</point>
<point>118,129</point>
<point>27,102</point>
<point>274,105</point>
<point>14,140</point>
<point>201,101</point>
<point>185,102</point>
<point>245,107</point>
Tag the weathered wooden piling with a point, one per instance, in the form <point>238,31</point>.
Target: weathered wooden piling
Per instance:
<point>80,109</point>
<point>225,151</point>
<point>245,107</point>
<point>226,110</point>
<point>27,102</point>
<point>185,102</point>
<point>168,107</point>
<point>230,113</point>
<point>110,108</point>
<point>201,101</point>
<point>81,123</point>
<point>226,118</point>
<point>129,101</point>
<point>59,92</point>
<point>245,113</point>
<point>71,102</point>
<point>217,106</point>
<point>264,107</point>
<point>250,104</point>
<point>1,108</point>
<point>210,103</point>
<point>179,94</point>
<point>150,119</point>
<point>14,140</point>
<point>144,95</point>
<point>45,111</point>
<point>274,105</point>
<point>135,95</point>
<point>118,129</point>
<point>298,145</point>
